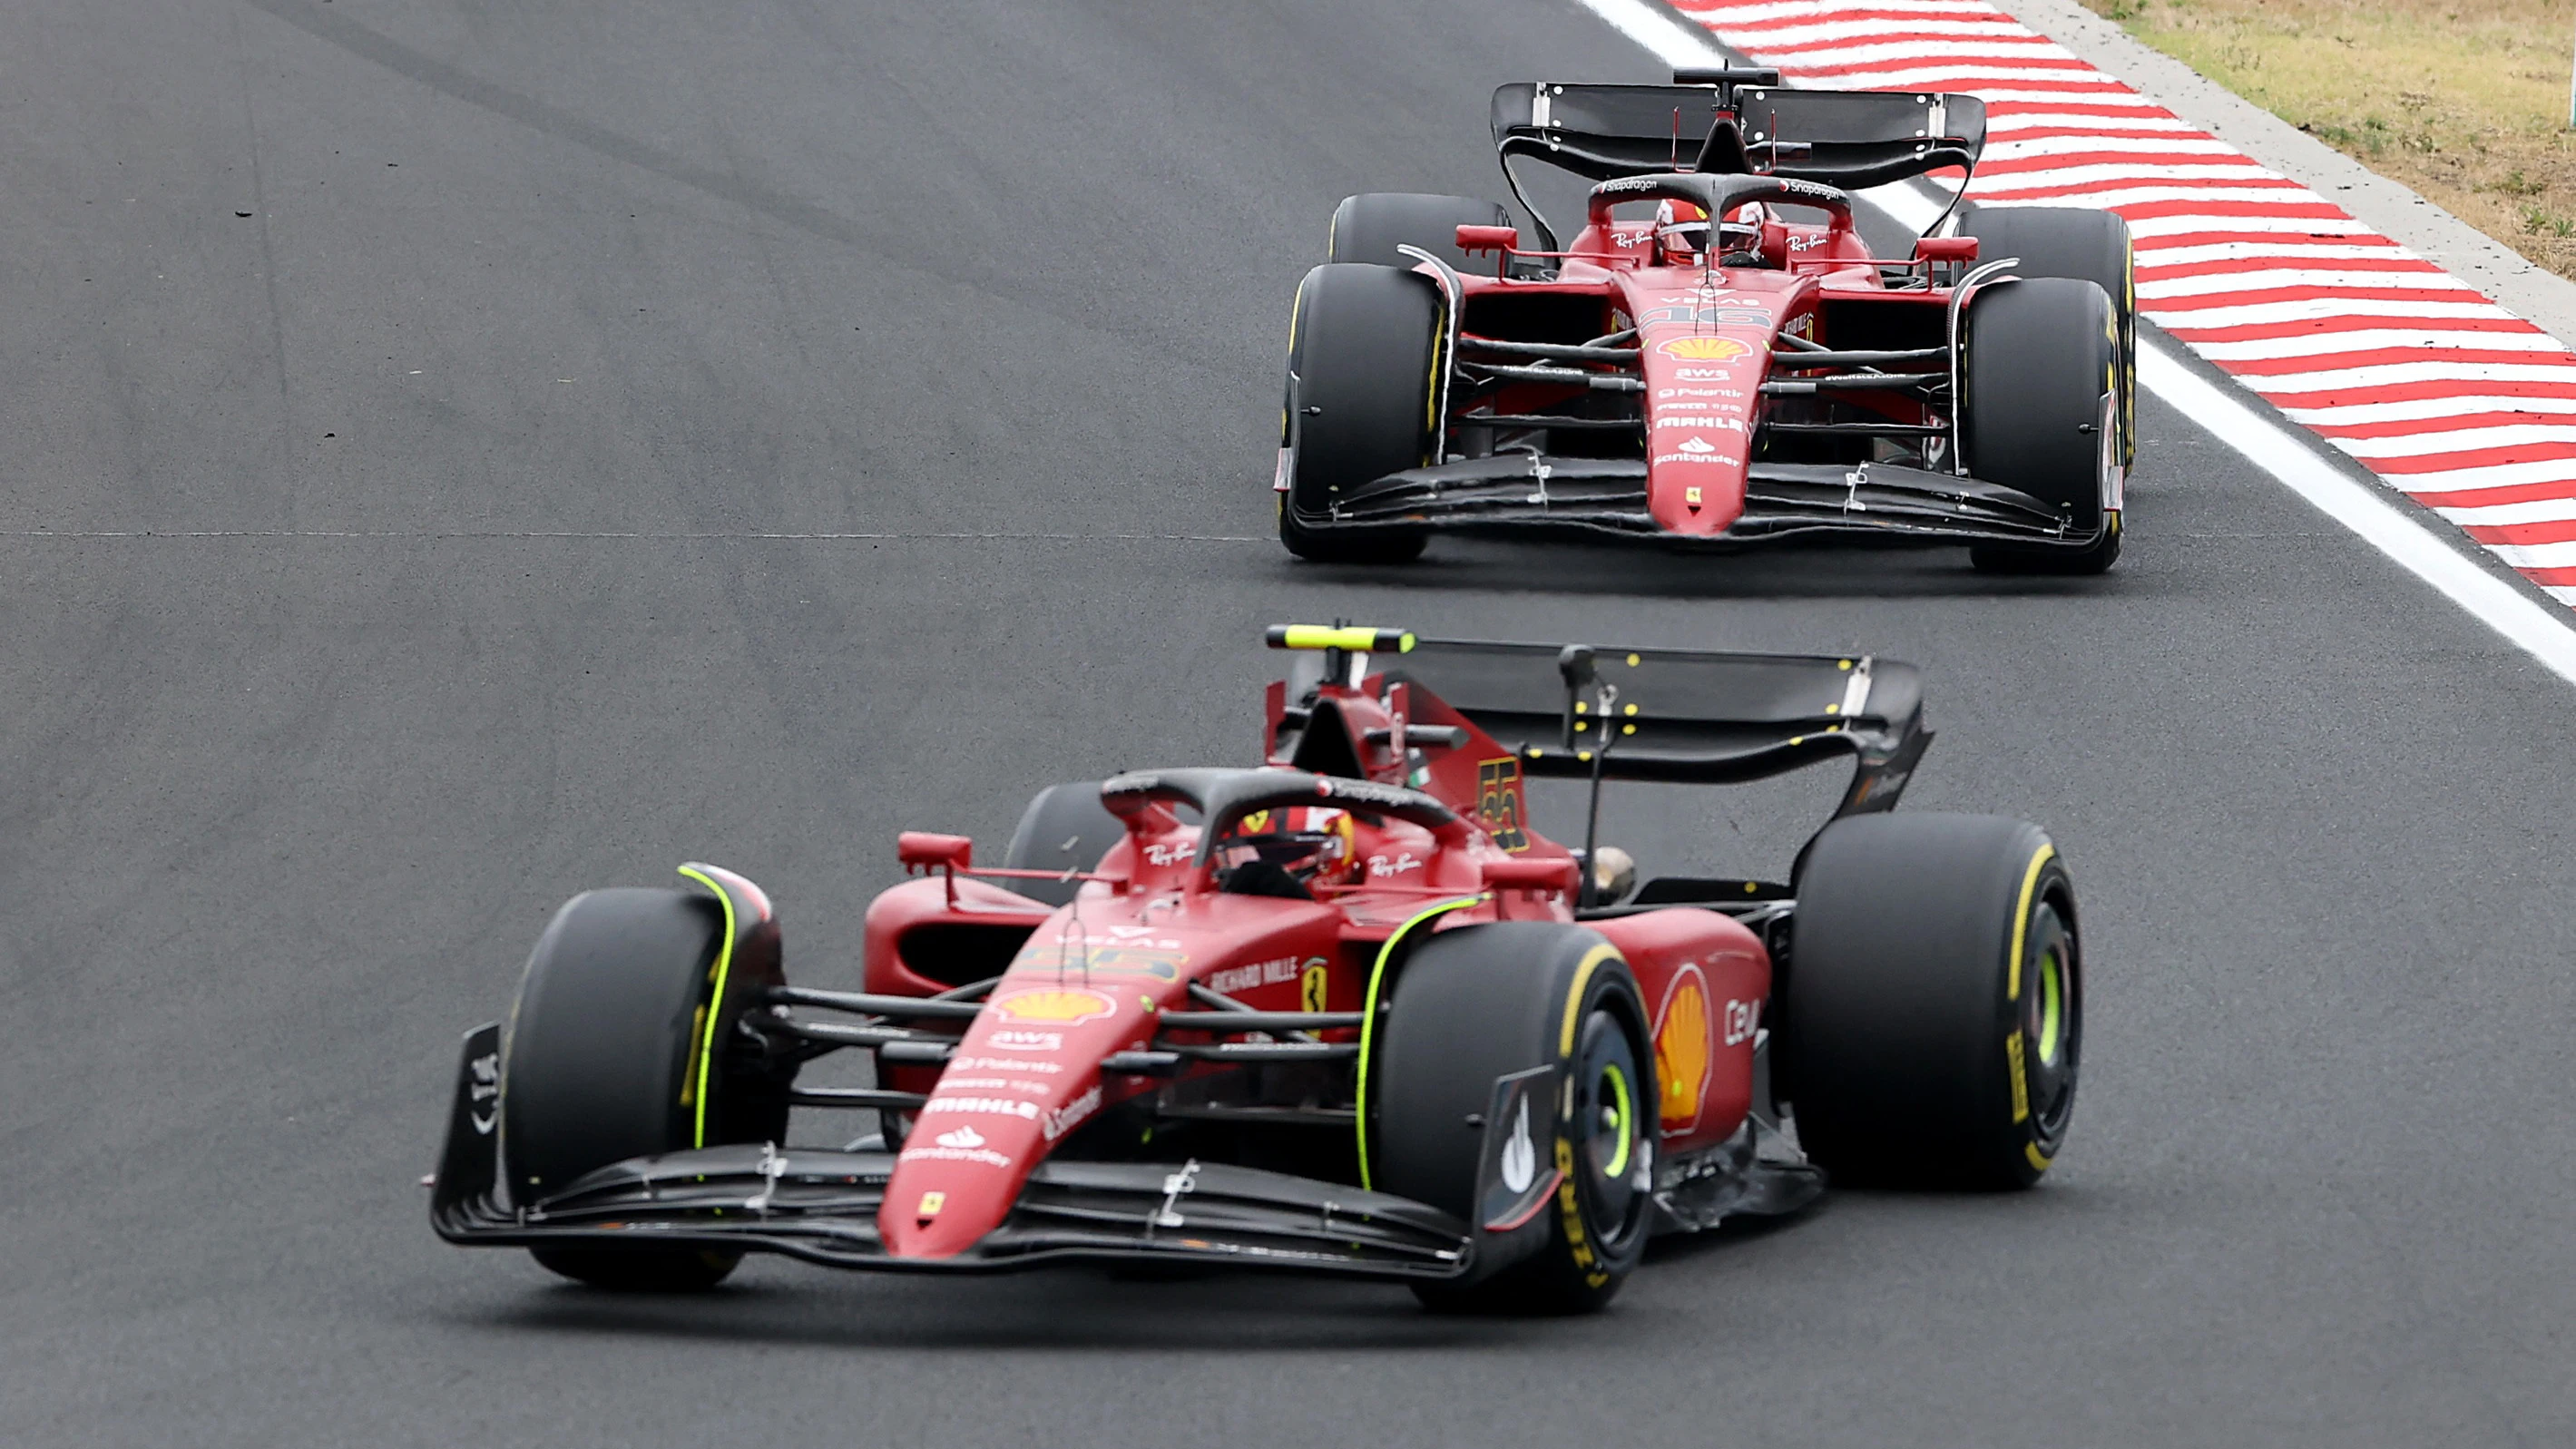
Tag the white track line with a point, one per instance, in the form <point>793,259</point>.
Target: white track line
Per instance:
<point>2538,630</point>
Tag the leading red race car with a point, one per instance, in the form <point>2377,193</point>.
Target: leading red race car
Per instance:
<point>1346,1011</point>
<point>1716,356</point>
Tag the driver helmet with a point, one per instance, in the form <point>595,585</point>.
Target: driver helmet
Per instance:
<point>1744,232</point>
<point>1681,232</point>
<point>1312,843</point>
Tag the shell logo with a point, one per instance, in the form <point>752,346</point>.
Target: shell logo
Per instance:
<point>1060,1007</point>
<point>1683,1058</point>
<point>1705,349</point>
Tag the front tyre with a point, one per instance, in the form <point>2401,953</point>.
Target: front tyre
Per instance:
<point>1934,1007</point>
<point>1365,353</point>
<point>1489,1001</point>
<point>2040,380</point>
<point>607,1057</point>
<point>1371,226</point>
<point>2079,242</point>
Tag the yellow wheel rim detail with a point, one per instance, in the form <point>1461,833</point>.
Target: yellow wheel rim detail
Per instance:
<point>1622,1117</point>
<point>2052,1007</point>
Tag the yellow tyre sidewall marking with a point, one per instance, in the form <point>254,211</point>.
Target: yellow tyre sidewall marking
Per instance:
<point>2014,1048</point>
<point>1569,1204</point>
<point>713,1012</point>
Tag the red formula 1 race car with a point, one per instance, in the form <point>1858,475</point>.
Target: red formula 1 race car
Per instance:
<point>1716,357</point>
<point>1344,1012</point>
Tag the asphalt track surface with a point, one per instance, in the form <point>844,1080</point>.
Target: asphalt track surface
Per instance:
<point>623,434</point>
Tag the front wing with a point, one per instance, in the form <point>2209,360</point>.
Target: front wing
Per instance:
<point>821,1206</point>
<point>1519,492</point>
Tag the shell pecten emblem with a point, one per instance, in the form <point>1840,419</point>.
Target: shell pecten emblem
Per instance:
<point>1683,1056</point>
<point>1060,1007</point>
<point>1705,349</point>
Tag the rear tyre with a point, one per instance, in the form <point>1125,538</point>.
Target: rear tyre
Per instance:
<point>1488,1001</point>
<point>1065,828</point>
<point>1933,1011</point>
<point>2078,242</point>
<point>2040,380</point>
<point>1369,227</point>
<point>600,1063</point>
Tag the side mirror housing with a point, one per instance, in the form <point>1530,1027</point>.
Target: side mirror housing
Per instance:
<point>1476,239</point>
<point>922,850</point>
<point>1513,873</point>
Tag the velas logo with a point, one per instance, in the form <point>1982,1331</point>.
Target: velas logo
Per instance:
<point>1696,445</point>
<point>1683,1057</point>
<point>1704,349</point>
<point>962,1137</point>
<point>1062,1007</point>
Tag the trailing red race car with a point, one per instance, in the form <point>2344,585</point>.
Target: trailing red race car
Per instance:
<point>1344,1012</point>
<point>1716,356</point>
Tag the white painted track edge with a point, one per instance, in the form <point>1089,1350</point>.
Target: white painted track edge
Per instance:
<point>2533,627</point>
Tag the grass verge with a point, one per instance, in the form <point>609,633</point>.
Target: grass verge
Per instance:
<point>2465,102</point>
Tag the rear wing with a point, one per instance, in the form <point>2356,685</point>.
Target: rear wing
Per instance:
<point>1857,139</point>
<point>1602,133</point>
<point>1849,139</point>
<point>1683,716</point>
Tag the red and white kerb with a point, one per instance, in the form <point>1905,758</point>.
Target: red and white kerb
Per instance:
<point>2448,397</point>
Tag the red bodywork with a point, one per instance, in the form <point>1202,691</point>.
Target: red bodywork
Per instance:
<point>1090,979</point>
<point>1706,342</point>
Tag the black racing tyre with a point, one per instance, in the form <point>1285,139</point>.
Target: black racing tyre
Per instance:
<point>1933,1012</point>
<point>1483,1002</point>
<point>1369,227</point>
<point>601,1059</point>
<point>1365,352</point>
<point>2080,242</point>
<point>2039,373</point>
<point>1065,828</point>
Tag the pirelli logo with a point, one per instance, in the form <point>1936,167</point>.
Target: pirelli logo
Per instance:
<point>1498,802</point>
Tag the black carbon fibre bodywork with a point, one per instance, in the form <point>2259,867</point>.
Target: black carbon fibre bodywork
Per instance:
<point>1521,493</point>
